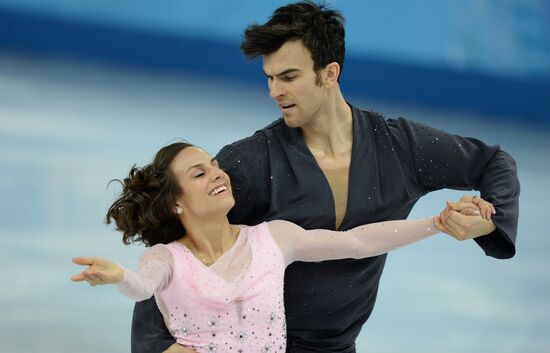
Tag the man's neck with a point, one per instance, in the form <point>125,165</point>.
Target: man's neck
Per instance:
<point>331,132</point>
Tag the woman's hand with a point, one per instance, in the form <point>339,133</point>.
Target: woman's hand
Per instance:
<point>467,219</point>
<point>99,271</point>
<point>486,209</point>
<point>178,348</point>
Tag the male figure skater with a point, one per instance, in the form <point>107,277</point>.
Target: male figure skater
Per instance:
<point>328,164</point>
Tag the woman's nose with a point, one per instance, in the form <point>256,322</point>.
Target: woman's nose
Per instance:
<point>216,174</point>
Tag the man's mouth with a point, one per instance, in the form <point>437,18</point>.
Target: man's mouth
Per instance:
<point>286,106</point>
<point>218,190</point>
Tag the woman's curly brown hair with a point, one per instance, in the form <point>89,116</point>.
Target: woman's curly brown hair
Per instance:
<point>144,210</point>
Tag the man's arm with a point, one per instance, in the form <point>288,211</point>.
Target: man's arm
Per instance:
<point>499,184</point>
<point>441,160</point>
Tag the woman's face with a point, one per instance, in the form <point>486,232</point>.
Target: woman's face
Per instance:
<point>206,188</point>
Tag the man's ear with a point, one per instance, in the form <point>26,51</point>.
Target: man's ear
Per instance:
<point>332,72</point>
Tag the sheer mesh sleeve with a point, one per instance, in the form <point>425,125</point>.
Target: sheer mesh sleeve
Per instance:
<point>298,244</point>
<point>154,274</point>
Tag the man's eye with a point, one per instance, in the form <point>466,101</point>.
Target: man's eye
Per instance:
<point>289,78</point>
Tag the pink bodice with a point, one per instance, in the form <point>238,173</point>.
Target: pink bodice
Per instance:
<point>207,312</point>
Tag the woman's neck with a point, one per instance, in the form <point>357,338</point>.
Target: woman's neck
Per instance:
<point>209,240</point>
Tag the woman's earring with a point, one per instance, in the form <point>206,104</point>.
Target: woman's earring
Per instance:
<point>179,210</point>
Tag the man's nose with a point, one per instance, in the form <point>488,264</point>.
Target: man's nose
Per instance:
<point>275,89</point>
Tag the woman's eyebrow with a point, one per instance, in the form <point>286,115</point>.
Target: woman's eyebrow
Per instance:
<point>198,165</point>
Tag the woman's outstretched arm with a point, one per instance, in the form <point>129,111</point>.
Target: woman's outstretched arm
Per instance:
<point>154,273</point>
<point>298,244</point>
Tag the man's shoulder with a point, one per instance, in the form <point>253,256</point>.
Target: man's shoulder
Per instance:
<point>258,139</point>
<point>274,125</point>
<point>371,115</point>
<point>378,119</point>
<point>366,113</point>
<point>251,147</point>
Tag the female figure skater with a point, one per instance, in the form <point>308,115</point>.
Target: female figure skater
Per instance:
<point>218,285</point>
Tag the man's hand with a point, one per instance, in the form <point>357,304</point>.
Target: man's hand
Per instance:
<point>99,271</point>
<point>178,348</point>
<point>467,219</point>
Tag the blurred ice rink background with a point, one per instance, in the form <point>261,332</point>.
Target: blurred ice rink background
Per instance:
<point>72,118</point>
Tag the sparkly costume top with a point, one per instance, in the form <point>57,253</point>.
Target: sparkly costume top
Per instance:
<point>236,304</point>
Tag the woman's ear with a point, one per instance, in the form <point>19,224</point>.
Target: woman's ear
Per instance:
<point>177,209</point>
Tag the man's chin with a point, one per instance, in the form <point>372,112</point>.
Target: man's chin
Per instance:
<point>291,122</point>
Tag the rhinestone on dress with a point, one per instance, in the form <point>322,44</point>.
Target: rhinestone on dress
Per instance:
<point>212,322</point>
<point>184,331</point>
<point>241,336</point>
<point>272,318</point>
<point>211,348</point>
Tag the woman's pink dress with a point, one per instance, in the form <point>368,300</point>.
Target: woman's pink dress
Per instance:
<point>236,304</point>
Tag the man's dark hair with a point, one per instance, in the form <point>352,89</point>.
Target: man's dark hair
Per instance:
<point>320,29</point>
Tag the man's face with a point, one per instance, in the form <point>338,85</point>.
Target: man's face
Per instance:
<point>291,81</point>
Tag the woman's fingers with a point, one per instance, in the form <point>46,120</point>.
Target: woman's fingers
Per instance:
<point>78,278</point>
<point>83,261</point>
<point>455,229</point>
<point>467,204</point>
<point>93,278</point>
<point>486,208</point>
<point>79,260</point>
<point>448,225</point>
<point>89,275</point>
<point>85,276</point>
<point>466,208</point>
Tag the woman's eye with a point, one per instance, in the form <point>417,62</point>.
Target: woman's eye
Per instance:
<point>198,175</point>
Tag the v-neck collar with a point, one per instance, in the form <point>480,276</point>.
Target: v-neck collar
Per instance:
<point>224,255</point>
<point>301,147</point>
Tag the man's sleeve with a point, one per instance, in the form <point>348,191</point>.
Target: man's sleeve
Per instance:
<point>149,333</point>
<point>247,164</point>
<point>440,160</point>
